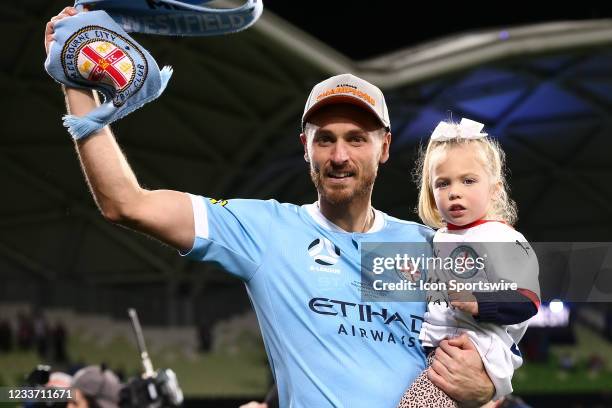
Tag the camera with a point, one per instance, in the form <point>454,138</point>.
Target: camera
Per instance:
<point>160,391</point>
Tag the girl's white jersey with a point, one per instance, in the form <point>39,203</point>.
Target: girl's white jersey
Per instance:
<point>507,257</point>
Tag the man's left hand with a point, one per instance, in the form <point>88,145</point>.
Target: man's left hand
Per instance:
<point>458,371</point>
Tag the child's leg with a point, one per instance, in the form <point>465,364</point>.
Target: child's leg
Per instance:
<point>424,394</point>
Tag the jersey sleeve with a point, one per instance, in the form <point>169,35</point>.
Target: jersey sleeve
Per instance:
<point>513,259</point>
<point>505,307</point>
<point>231,233</point>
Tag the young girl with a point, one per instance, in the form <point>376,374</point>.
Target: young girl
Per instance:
<point>463,193</point>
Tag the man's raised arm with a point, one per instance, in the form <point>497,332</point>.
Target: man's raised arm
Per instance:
<point>163,214</point>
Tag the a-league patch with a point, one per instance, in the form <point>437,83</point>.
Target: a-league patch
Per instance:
<point>97,56</point>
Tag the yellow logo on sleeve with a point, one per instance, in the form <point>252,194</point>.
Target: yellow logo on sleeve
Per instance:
<point>222,203</point>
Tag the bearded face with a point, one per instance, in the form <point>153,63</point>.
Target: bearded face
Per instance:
<point>340,184</point>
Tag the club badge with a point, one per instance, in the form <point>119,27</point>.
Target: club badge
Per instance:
<point>99,57</point>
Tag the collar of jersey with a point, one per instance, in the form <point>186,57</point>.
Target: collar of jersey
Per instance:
<point>476,223</point>
<point>315,213</point>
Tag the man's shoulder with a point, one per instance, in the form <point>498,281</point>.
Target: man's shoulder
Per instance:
<point>394,220</point>
<point>270,204</point>
<point>258,211</point>
<point>400,224</point>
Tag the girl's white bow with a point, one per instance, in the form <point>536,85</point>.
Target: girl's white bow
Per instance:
<point>466,129</point>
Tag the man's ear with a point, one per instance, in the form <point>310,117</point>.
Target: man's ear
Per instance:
<point>386,143</point>
<point>304,141</point>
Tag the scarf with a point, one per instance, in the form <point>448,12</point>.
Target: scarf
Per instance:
<point>92,50</point>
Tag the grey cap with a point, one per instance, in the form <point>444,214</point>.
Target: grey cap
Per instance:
<point>98,383</point>
<point>347,88</point>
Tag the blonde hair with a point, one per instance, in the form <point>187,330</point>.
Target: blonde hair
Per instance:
<point>502,208</point>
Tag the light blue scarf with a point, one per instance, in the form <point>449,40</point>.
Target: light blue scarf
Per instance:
<point>92,51</point>
<point>173,17</point>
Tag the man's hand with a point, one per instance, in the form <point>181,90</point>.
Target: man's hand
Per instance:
<point>458,371</point>
<point>464,301</point>
<point>254,404</point>
<point>50,28</point>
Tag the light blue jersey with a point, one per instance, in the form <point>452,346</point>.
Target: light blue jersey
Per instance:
<point>326,347</point>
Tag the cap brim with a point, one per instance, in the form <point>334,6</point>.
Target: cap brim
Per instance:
<point>338,99</point>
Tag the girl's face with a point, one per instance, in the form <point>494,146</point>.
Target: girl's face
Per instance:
<point>462,188</point>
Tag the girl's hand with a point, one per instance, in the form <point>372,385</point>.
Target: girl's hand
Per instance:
<point>410,272</point>
<point>464,301</point>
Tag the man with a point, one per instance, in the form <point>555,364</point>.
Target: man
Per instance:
<point>301,264</point>
<point>95,387</point>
